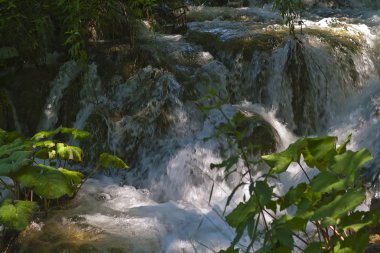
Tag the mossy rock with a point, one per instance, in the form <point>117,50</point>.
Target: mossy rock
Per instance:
<point>259,39</point>
<point>28,89</point>
<point>258,132</point>
<point>96,124</point>
<point>337,38</point>
<point>70,103</point>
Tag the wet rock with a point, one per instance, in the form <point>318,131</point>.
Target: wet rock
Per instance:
<point>7,121</point>
<point>256,131</point>
<point>70,103</point>
<point>28,89</point>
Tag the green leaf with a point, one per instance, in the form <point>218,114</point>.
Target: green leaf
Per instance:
<point>8,149</point>
<point>285,237</point>
<point>17,215</point>
<point>45,181</point>
<point>74,177</point>
<point>15,162</point>
<point>342,148</point>
<point>354,243</point>
<point>279,162</point>
<point>44,144</point>
<point>319,152</point>
<point>293,196</point>
<point>46,153</point>
<point>264,192</point>
<point>229,250</point>
<point>110,161</point>
<point>8,53</point>
<point>326,181</point>
<point>45,134</point>
<point>340,205</point>
<point>71,153</point>
<point>76,133</point>
<point>344,172</point>
<point>242,212</point>
<point>295,223</point>
<point>272,205</point>
<point>232,194</point>
<point>358,220</point>
<point>314,247</point>
<point>349,162</point>
<point>239,232</point>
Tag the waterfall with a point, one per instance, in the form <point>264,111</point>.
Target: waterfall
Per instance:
<point>67,73</point>
<point>324,82</point>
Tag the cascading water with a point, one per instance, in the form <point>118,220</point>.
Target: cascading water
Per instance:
<point>326,82</point>
<point>68,72</point>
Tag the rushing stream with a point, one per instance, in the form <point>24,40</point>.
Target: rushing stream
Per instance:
<point>325,82</point>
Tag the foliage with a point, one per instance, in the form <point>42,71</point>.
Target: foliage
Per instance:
<point>107,160</point>
<point>30,29</point>
<point>25,173</point>
<point>17,214</point>
<point>318,214</point>
<point>290,10</point>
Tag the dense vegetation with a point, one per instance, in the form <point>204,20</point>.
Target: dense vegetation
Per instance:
<point>31,29</point>
<point>40,169</point>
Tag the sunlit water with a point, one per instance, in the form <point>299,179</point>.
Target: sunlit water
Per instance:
<point>325,83</point>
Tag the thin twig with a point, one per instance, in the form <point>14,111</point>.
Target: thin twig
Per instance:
<point>304,171</point>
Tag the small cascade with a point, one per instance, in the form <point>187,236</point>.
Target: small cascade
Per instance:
<point>68,72</point>
<point>326,81</point>
<point>362,119</point>
<point>294,76</point>
<point>90,96</point>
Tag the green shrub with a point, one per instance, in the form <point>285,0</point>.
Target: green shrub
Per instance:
<point>36,166</point>
<point>318,215</point>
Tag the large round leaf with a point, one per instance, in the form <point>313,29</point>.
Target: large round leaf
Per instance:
<point>16,161</point>
<point>45,134</point>
<point>110,161</point>
<point>74,177</point>
<point>45,181</point>
<point>76,133</point>
<point>8,149</point>
<point>17,215</point>
<point>72,153</point>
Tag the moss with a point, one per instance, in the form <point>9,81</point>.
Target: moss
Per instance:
<point>58,237</point>
<point>337,38</point>
<point>118,59</point>
<point>262,40</point>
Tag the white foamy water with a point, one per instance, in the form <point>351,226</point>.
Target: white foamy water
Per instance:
<point>68,72</point>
